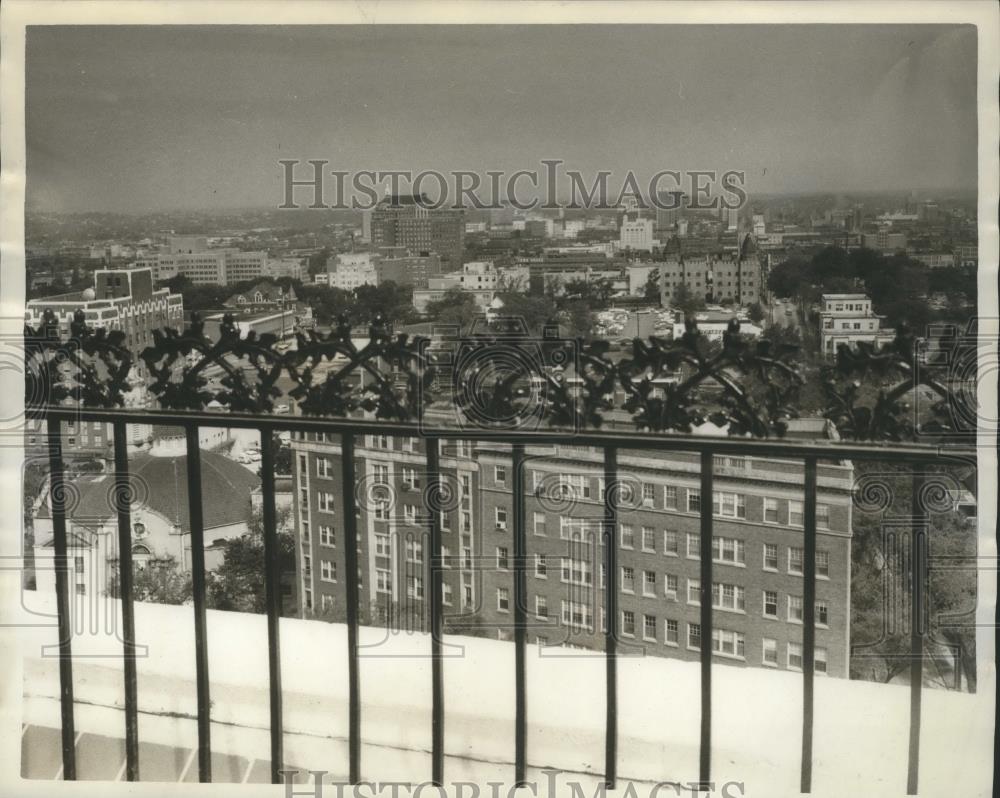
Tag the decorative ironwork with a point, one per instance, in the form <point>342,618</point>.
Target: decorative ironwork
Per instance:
<point>904,389</point>
<point>744,384</point>
<point>90,367</point>
<point>501,379</point>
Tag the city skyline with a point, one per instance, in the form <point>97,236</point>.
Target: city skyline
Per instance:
<point>118,117</point>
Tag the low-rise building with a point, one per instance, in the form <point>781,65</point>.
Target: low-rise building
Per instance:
<point>848,319</point>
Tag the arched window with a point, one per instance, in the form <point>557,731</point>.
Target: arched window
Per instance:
<point>140,555</point>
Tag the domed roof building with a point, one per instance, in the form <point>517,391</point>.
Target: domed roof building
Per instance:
<point>160,514</point>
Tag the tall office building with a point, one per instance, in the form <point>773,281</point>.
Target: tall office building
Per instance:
<point>407,221</point>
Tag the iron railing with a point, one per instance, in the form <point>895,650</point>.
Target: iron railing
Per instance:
<point>91,371</point>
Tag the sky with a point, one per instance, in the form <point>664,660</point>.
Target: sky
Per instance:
<point>124,118</point>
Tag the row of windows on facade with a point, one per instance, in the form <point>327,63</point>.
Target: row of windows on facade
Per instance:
<point>725,550</point>
<point>580,616</point>
<point>725,596</point>
<point>724,504</point>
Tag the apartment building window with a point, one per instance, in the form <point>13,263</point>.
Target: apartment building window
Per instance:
<point>771,513</point>
<point>770,557</point>
<point>729,551</point>
<point>729,597</point>
<point>541,607</point>
<point>648,494</point>
<point>500,515</point>
<point>577,614</point>
<point>670,543</point>
<point>795,561</point>
<point>380,474</point>
<point>466,521</point>
<point>309,599</point>
<point>410,479</point>
<point>693,545</point>
<point>628,579</point>
<point>382,510</point>
<point>649,583</point>
<point>575,572</point>
<point>326,502</point>
<point>500,475</point>
<point>328,571</point>
<point>628,623</point>
<point>770,603</point>
<point>670,632</point>
<point>541,567</point>
<point>467,558</point>
<point>305,530</point>
<point>303,465</point>
<point>323,467</point>
<point>446,594</point>
<point>694,591</point>
<point>694,500</point>
<point>649,627</point>
<point>414,551</point>
<point>795,609</point>
<point>414,587</point>
<point>306,565</point>
<point>572,528</point>
<point>822,613</point>
<point>628,537</point>
<point>648,539</point>
<point>729,644</point>
<point>823,564</point>
<point>670,586</point>
<point>445,520</point>
<point>326,602</point>
<point>822,516</point>
<point>670,497</point>
<point>819,661</point>
<point>795,513</point>
<point>694,635</point>
<point>729,505</point>
<point>574,486</point>
<point>383,546</point>
<point>502,561</point>
<point>539,524</point>
<point>795,656</point>
<point>327,536</point>
<point>770,654</point>
<point>410,513</point>
<point>445,557</point>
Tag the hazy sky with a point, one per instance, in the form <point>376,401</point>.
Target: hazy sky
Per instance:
<point>146,118</point>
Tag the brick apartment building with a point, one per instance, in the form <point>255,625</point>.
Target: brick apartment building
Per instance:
<point>758,539</point>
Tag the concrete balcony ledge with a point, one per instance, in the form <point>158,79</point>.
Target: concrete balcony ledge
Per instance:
<point>860,742</point>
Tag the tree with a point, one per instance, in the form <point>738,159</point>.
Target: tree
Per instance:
<point>393,301</point>
<point>880,650</point>
<point>282,456</point>
<point>534,311</point>
<point>651,290</point>
<point>756,313</point>
<point>317,261</point>
<point>578,318</point>
<point>788,277</point>
<point>456,307</point>
<point>238,583</point>
<point>160,581</point>
<point>686,301</point>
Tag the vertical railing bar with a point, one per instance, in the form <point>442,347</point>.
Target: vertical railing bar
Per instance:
<point>57,497</point>
<point>436,580</point>
<point>123,505</point>
<point>612,497</point>
<point>272,589</point>
<point>351,564</point>
<point>808,624</point>
<point>197,525</point>
<point>917,572</point>
<point>705,758</point>
<point>520,617</point>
